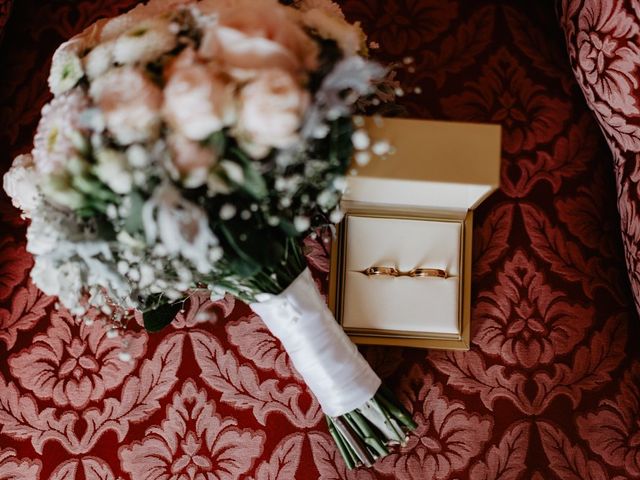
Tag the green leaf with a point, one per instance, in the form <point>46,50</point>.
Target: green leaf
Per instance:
<point>254,183</point>
<point>218,141</point>
<point>133,223</point>
<point>243,268</point>
<point>155,320</point>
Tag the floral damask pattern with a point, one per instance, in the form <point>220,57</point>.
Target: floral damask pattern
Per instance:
<point>613,430</point>
<point>446,439</point>
<point>193,443</point>
<point>14,468</point>
<point>74,367</point>
<point>504,95</point>
<point>523,321</point>
<point>403,27</point>
<point>603,40</point>
<point>549,389</point>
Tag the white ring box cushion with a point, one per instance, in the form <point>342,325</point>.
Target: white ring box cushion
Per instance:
<point>402,303</point>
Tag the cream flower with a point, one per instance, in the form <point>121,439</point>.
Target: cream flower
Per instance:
<point>197,101</point>
<point>58,188</point>
<point>253,35</point>
<point>270,112</point>
<point>180,226</point>
<point>116,26</point>
<point>130,103</point>
<point>191,160</point>
<point>53,143</point>
<point>99,60</point>
<point>145,42</point>
<point>21,184</point>
<point>66,66</point>
<point>66,69</point>
<point>112,169</point>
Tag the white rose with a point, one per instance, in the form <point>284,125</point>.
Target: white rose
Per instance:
<point>197,102</point>
<point>270,112</point>
<point>66,68</point>
<point>99,60</point>
<point>56,138</point>
<point>21,184</point>
<point>180,225</point>
<point>130,103</point>
<point>116,26</point>
<point>112,169</point>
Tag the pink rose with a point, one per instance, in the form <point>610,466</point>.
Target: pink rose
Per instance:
<point>197,100</point>
<point>130,103</point>
<point>116,26</point>
<point>270,112</point>
<point>349,37</point>
<point>252,35</point>
<point>191,160</point>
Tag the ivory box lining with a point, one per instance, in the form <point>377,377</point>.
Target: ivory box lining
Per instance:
<point>404,304</point>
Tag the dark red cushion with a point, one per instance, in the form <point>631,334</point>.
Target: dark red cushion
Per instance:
<point>548,391</point>
<point>603,39</point>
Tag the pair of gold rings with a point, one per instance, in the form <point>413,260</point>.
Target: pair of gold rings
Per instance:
<point>394,272</point>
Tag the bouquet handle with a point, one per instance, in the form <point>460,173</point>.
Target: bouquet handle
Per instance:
<point>362,415</point>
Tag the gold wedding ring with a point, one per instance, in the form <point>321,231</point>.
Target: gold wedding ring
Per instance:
<point>394,272</point>
<point>427,272</point>
<point>379,271</point>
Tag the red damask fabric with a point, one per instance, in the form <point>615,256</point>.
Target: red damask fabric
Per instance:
<point>603,40</point>
<point>550,389</point>
<point>5,9</point>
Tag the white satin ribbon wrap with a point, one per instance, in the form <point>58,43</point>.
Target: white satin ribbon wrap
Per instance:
<point>330,364</point>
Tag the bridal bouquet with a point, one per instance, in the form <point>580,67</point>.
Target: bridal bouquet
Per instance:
<point>192,145</point>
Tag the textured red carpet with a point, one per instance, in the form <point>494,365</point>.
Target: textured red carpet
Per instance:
<point>548,391</point>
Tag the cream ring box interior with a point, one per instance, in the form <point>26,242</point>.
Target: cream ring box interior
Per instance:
<point>413,209</point>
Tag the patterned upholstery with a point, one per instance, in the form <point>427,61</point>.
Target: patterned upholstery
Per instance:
<point>548,391</point>
<point>603,39</point>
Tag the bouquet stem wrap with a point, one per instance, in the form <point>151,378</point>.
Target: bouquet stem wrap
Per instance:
<point>330,364</point>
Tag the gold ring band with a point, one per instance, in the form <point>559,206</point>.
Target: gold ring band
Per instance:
<point>377,271</point>
<point>427,272</point>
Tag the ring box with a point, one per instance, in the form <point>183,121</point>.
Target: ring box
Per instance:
<point>411,209</point>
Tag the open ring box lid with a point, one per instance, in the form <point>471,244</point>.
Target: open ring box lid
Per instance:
<point>409,209</point>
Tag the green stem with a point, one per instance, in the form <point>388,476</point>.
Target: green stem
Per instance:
<point>393,406</point>
<point>346,455</point>
<point>354,441</point>
<point>390,420</point>
<point>370,437</point>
